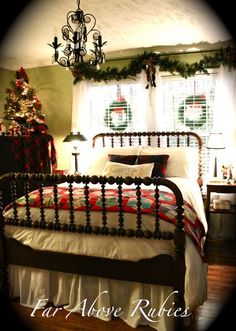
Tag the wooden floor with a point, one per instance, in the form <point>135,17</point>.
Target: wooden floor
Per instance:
<point>216,312</point>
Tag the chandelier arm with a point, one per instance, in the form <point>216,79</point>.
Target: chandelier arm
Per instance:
<point>69,20</point>
<point>94,23</point>
<point>64,34</point>
<point>65,61</point>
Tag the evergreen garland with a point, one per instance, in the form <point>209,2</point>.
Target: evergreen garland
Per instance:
<point>224,57</point>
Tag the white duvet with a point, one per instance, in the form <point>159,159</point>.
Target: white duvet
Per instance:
<point>79,293</point>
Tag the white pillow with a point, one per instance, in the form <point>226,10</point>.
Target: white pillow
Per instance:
<point>182,162</point>
<point>123,170</point>
<point>99,157</point>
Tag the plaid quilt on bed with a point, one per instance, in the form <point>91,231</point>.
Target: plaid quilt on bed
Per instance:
<point>193,226</point>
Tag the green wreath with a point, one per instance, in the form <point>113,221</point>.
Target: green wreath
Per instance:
<point>192,111</point>
<point>124,115</point>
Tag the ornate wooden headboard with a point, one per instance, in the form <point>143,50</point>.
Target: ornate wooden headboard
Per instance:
<point>159,139</point>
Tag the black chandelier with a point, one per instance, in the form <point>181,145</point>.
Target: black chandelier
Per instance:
<point>75,33</point>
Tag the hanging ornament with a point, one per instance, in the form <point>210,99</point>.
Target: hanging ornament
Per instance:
<point>150,69</point>
<point>118,115</point>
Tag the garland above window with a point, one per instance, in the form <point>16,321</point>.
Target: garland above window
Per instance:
<point>148,62</point>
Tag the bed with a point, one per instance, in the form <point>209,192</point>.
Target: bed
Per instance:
<point>123,239</point>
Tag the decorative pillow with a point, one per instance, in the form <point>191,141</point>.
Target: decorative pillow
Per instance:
<point>125,159</point>
<point>123,170</point>
<point>98,158</point>
<point>160,161</point>
<point>182,161</point>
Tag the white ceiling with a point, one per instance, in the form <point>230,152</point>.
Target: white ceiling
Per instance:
<point>124,24</point>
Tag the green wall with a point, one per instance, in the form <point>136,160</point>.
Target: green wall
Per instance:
<point>53,87</point>
<point>5,77</point>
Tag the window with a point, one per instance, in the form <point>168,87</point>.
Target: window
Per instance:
<point>188,106</point>
<point>115,107</point>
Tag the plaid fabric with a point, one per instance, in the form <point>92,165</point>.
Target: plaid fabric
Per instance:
<point>125,159</point>
<point>160,162</point>
<point>167,203</point>
<point>36,153</point>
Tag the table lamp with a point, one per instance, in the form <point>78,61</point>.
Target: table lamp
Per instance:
<point>215,141</point>
<point>74,138</point>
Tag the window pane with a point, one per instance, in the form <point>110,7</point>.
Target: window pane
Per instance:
<point>188,106</point>
<point>115,108</point>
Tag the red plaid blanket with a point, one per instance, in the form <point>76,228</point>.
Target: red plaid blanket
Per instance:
<point>36,153</point>
<point>193,226</point>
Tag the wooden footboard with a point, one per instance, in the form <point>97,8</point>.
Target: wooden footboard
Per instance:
<point>162,269</point>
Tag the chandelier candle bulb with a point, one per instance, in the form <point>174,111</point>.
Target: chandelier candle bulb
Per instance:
<point>100,41</point>
<point>75,37</point>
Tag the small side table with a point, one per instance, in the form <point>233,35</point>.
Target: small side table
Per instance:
<point>218,188</point>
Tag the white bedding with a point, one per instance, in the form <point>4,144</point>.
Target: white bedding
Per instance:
<point>71,290</point>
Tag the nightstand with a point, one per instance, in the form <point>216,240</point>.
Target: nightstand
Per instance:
<point>218,188</point>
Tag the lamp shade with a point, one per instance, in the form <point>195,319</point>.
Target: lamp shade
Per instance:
<point>215,141</point>
<point>74,136</point>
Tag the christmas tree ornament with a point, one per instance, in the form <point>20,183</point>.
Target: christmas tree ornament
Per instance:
<point>15,129</point>
<point>23,107</point>
<point>2,127</point>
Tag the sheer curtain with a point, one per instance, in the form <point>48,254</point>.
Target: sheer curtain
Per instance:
<point>80,120</point>
<point>225,111</point>
<point>153,104</point>
<point>80,107</point>
<point>225,122</point>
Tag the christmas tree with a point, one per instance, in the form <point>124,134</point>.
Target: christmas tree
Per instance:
<point>23,108</point>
